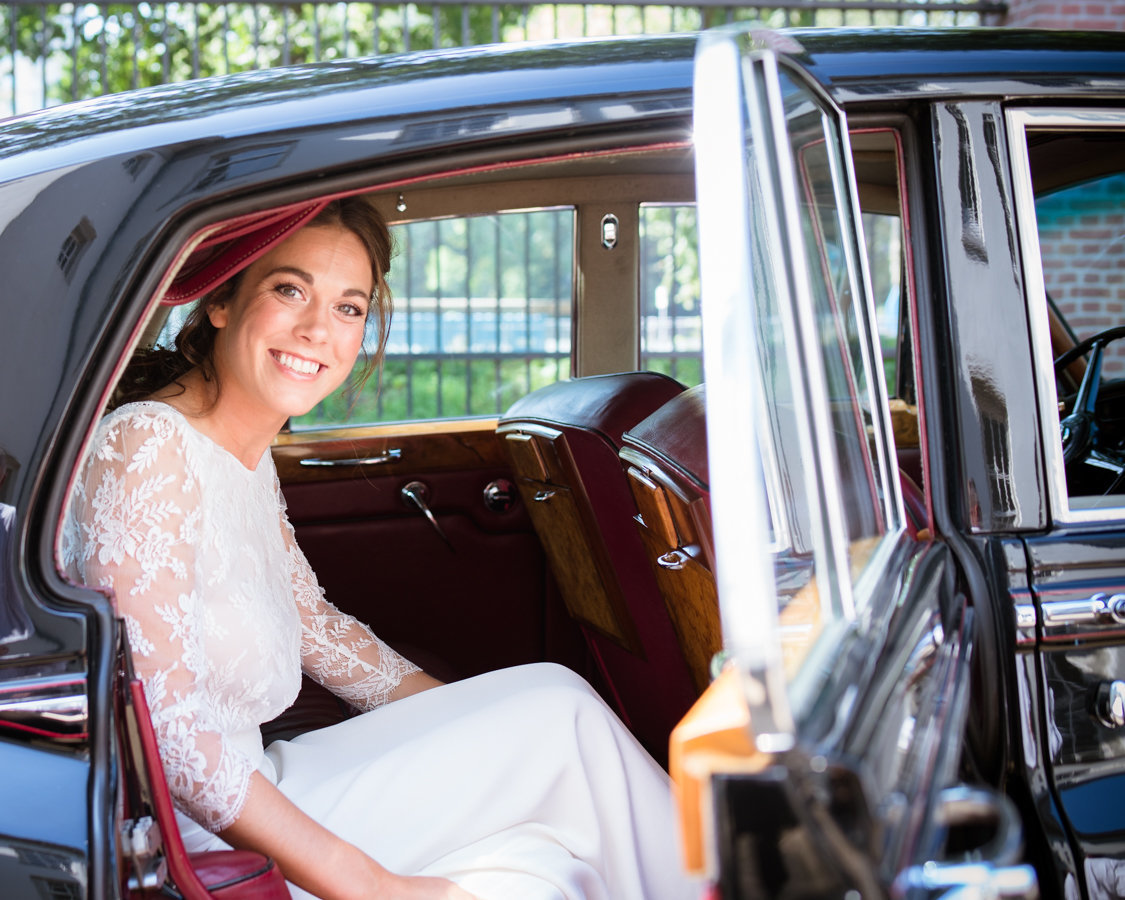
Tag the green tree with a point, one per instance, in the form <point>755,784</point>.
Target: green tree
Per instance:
<point>86,50</point>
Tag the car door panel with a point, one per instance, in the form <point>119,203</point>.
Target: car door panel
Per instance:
<point>466,593</point>
<point>856,690</point>
<point>1081,657</point>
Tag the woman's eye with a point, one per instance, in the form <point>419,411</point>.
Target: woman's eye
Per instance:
<point>351,309</point>
<point>289,290</point>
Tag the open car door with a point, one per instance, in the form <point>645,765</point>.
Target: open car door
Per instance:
<point>823,760</point>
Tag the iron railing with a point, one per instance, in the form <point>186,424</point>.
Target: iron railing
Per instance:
<point>52,53</point>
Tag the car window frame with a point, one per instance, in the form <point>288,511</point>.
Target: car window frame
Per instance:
<point>753,632</point>
<point>1019,120</point>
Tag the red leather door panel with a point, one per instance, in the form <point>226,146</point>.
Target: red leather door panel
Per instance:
<point>476,596</point>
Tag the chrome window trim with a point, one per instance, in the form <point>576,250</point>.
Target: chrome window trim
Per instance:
<point>738,90</point>
<point>743,567</point>
<point>829,529</point>
<point>1035,296</point>
<point>855,247</point>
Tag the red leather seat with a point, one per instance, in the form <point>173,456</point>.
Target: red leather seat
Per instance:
<point>564,441</point>
<point>665,457</point>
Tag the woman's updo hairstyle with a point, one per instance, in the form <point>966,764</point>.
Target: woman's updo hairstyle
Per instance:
<point>152,369</point>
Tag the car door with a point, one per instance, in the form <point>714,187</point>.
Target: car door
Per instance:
<point>824,758</point>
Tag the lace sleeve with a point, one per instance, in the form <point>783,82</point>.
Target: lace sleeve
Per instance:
<point>338,650</point>
<point>134,519</point>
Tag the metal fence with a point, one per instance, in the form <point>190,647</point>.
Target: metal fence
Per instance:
<point>58,52</point>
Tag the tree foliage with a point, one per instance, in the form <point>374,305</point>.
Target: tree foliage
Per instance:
<point>81,50</point>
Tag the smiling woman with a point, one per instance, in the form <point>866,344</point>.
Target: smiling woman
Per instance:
<point>313,329</point>
<point>285,335</point>
<point>178,511</point>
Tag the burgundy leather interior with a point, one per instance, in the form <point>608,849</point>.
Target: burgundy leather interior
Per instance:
<point>239,875</point>
<point>665,460</point>
<point>485,601</point>
<point>652,688</point>
<point>674,438</point>
<point>602,405</point>
<point>676,435</point>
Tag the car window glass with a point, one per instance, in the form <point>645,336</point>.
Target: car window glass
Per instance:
<point>482,317</point>
<point>827,494</point>
<point>883,234</point>
<point>671,326</point>
<point>794,372</point>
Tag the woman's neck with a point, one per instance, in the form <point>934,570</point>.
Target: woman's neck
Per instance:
<point>245,433</point>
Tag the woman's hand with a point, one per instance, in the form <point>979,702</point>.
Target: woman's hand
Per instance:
<point>315,859</point>
<point>418,887</point>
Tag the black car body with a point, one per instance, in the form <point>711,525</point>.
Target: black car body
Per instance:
<point>921,690</point>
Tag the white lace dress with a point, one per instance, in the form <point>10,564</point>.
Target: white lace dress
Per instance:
<point>517,784</point>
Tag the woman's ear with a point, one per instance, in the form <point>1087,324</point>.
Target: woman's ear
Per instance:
<point>218,313</point>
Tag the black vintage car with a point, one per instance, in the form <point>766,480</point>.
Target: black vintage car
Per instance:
<point>798,435</point>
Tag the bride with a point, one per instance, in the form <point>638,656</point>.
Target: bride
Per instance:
<point>518,783</point>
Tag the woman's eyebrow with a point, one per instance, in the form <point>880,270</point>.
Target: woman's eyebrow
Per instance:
<point>308,277</point>
<point>291,270</point>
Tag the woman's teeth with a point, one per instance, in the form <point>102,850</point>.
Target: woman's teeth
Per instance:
<point>303,366</point>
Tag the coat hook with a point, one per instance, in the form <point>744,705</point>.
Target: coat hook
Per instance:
<point>401,205</point>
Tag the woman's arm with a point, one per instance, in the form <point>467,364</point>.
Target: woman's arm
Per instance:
<point>315,859</point>
<point>134,527</point>
<point>339,651</point>
<point>414,683</point>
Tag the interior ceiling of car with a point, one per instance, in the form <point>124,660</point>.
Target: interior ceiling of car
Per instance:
<point>1060,159</point>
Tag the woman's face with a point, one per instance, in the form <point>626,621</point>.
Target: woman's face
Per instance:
<point>292,332</point>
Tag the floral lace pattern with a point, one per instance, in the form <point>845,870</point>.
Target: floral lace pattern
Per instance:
<point>221,608</point>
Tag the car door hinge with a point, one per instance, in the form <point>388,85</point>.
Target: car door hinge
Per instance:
<point>143,847</point>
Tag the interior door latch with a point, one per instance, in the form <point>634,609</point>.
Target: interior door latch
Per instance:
<point>415,494</point>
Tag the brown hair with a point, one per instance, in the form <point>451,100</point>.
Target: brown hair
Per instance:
<point>152,369</point>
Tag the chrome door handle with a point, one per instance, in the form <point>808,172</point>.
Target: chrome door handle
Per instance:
<point>414,494</point>
<point>389,456</point>
<point>993,871</point>
<point>673,560</point>
<point>1109,703</point>
<point>1100,609</point>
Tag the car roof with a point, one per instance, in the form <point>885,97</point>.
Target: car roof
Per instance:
<point>653,72</point>
<point>858,64</point>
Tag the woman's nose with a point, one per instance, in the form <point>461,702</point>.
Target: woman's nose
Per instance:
<point>313,324</point>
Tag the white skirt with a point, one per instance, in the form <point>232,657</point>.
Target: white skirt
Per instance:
<point>517,784</point>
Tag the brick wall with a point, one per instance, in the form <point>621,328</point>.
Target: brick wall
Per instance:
<point>1096,15</point>
<point>1082,238</point>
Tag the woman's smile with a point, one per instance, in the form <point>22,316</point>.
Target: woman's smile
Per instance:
<point>297,364</point>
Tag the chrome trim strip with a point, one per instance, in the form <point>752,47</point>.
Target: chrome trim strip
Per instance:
<point>1026,619</point>
<point>49,708</point>
<point>743,571</point>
